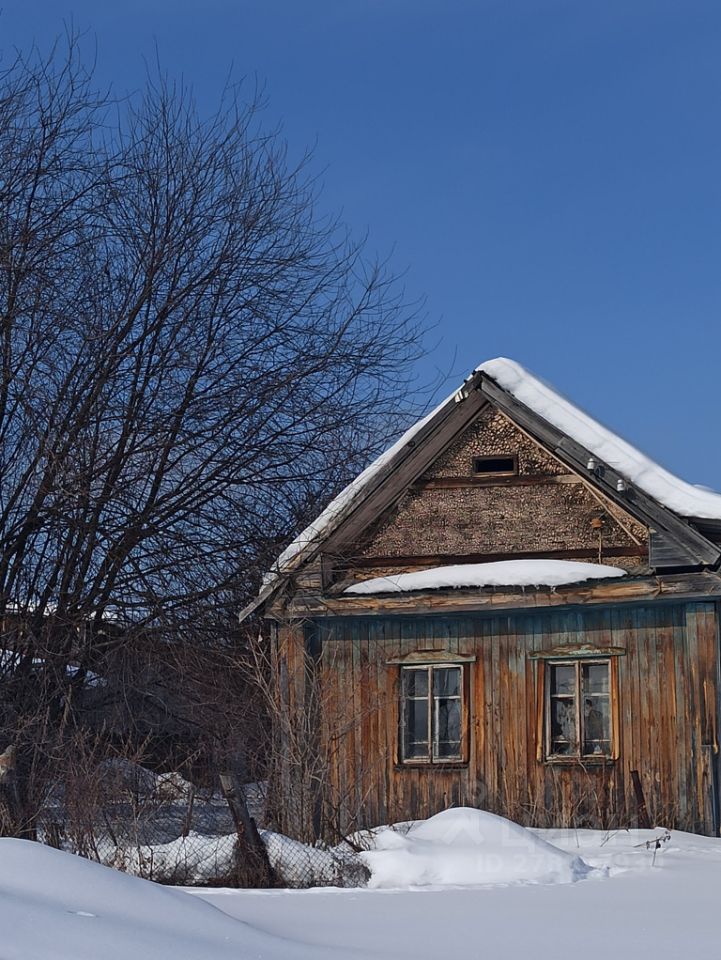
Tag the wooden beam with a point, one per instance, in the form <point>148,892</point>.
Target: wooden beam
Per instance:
<point>700,585</point>
<point>534,480</point>
<point>444,559</point>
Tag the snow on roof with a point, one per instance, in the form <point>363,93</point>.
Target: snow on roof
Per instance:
<point>675,494</point>
<point>504,573</point>
<point>683,498</point>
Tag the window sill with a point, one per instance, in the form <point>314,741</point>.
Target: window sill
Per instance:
<point>580,761</point>
<point>427,765</point>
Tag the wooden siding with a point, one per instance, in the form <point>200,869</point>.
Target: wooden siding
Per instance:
<point>666,710</point>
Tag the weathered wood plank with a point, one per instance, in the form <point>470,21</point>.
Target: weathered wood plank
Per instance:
<point>460,483</point>
<point>421,561</point>
<point>666,711</point>
<point>703,585</point>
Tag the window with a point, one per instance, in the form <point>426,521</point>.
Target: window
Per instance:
<point>578,709</point>
<point>499,465</point>
<point>431,714</point>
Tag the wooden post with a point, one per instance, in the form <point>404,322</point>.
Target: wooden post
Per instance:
<point>188,818</point>
<point>254,868</point>
<point>643,820</point>
<point>11,819</point>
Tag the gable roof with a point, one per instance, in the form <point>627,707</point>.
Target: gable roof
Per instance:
<point>530,395</point>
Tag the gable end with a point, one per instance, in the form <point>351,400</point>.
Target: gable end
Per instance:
<point>690,548</point>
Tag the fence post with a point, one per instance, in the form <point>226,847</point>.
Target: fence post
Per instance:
<point>254,868</point>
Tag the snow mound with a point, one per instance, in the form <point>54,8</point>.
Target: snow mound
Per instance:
<point>464,847</point>
<point>55,904</point>
<point>504,573</point>
<point>195,858</point>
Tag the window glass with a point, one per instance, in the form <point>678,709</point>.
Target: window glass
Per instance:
<point>416,728</point>
<point>448,728</point>
<point>597,725</point>
<point>595,678</point>
<point>563,726</point>
<point>563,678</point>
<point>431,713</point>
<point>446,681</point>
<point>416,682</point>
<point>596,709</point>
<point>578,704</point>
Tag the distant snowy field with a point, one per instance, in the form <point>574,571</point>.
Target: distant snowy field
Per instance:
<point>463,883</point>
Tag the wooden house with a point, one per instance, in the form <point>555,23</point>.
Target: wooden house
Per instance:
<point>511,609</point>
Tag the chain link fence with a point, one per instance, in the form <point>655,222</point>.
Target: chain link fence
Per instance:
<point>161,827</point>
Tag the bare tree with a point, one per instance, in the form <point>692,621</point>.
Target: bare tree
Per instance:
<point>190,357</point>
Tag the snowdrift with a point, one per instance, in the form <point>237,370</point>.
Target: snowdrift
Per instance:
<point>55,904</point>
<point>462,847</point>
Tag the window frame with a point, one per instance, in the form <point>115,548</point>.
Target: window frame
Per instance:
<point>430,760</point>
<point>546,739</point>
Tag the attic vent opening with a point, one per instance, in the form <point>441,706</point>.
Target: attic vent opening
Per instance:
<point>505,466</point>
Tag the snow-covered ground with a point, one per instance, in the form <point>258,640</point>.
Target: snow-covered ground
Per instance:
<point>546,895</point>
<point>628,908</point>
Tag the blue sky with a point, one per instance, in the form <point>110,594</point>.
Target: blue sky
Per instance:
<point>546,172</point>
